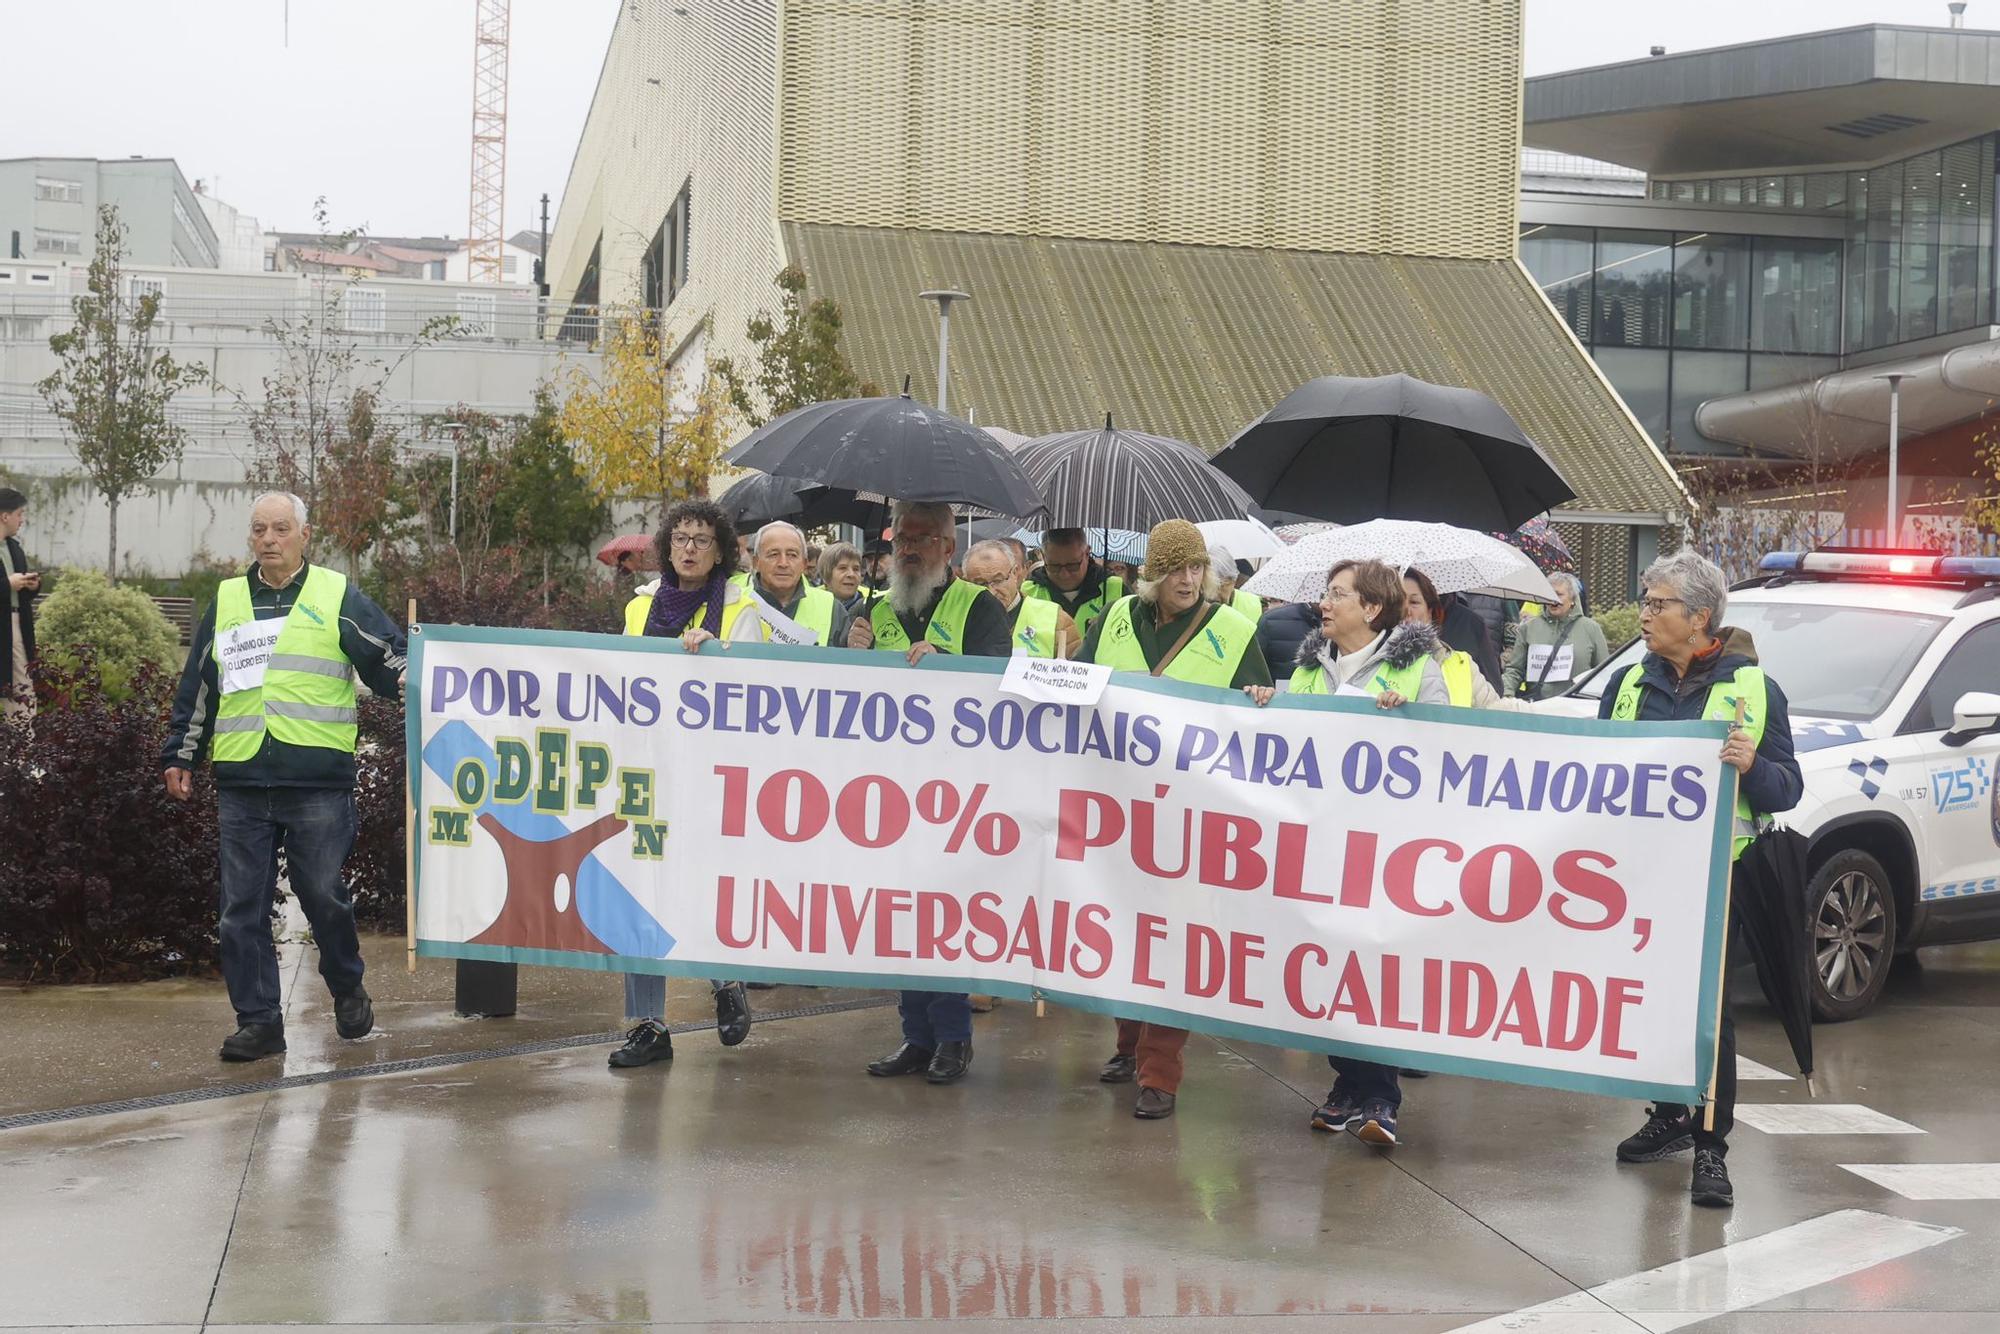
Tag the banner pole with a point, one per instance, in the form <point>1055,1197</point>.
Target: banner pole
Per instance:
<point>410,842</point>
<point>1722,980</point>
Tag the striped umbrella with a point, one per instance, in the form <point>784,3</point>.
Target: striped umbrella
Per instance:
<point>1112,478</point>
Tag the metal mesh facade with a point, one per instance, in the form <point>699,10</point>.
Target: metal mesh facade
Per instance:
<point>1369,126</point>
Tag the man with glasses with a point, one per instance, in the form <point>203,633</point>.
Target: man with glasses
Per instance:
<point>925,611</point>
<point>1073,581</point>
<point>1040,628</point>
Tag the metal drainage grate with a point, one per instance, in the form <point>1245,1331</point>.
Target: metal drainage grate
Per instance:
<point>58,1114</point>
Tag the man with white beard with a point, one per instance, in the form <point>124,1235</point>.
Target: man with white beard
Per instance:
<point>924,611</point>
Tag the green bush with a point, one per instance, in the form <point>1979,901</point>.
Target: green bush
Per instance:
<point>199,582</point>
<point>1620,624</point>
<point>119,625</point>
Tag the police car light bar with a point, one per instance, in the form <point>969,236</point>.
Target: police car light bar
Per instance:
<point>1915,565</point>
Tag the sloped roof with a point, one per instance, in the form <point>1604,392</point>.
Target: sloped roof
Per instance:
<point>1196,341</point>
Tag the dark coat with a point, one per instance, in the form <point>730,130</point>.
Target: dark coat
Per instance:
<point>1464,631</point>
<point>23,601</point>
<point>1283,629</point>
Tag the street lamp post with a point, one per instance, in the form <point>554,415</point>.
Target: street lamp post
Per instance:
<point>944,297</point>
<point>1895,379</point>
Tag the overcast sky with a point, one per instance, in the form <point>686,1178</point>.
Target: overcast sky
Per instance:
<point>370,101</point>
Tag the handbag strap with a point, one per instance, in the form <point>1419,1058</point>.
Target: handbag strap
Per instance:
<point>1550,661</point>
<point>1167,659</point>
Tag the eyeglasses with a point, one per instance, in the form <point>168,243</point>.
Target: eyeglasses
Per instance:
<point>692,541</point>
<point>1065,567</point>
<point>1654,606</point>
<point>916,539</point>
<point>1338,594</point>
<point>992,583</point>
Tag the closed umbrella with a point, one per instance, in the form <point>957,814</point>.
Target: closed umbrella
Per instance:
<point>1455,559</point>
<point>1114,478</point>
<point>893,446</point>
<point>1350,450</point>
<point>1768,899</point>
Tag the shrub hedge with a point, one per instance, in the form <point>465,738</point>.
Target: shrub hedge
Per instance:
<point>115,628</point>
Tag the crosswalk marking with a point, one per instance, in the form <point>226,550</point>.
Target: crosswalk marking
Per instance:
<point>1738,1276</point>
<point>1749,1069</point>
<point>1933,1181</point>
<point>1820,1118</point>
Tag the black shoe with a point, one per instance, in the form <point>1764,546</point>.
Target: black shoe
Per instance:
<point>253,1042</point>
<point>645,1044</point>
<point>1153,1105</point>
<point>732,1014</point>
<point>1340,1110</point>
<point>1711,1181</point>
<point>950,1063</point>
<point>354,1015</point>
<point>905,1060</point>
<point>1663,1136</point>
<point>1414,1074</point>
<point>1119,1070</point>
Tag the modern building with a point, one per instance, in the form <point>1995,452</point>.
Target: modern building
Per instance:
<point>1750,240</point>
<point>48,211</point>
<point>1172,213</point>
<point>239,238</point>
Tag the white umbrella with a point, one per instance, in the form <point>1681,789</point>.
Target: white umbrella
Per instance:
<point>1246,539</point>
<point>1457,560</point>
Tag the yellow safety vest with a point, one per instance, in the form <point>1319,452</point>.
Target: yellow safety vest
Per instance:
<point>1405,681</point>
<point>1748,685</point>
<point>947,628</point>
<point>1035,624</point>
<point>1210,658</point>
<point>1248,605</point>
<point>639,608</point>
<point>1086,613</point>
<point>307,698</point>
<point>1458,671</point>
<point>815,613</point>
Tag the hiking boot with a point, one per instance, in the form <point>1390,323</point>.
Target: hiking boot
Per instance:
<point>1340,1110</point>
<point>1376,1125</point>
<point>1665,1134</point>
<point>1120,1069</point>
<point>354,1014</point>
<point>732,1014</point>
<point>645,1044</point>
<point>1711,1186</point>
<point>253,1042</point>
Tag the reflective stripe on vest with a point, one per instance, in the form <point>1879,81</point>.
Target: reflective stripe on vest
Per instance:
<point>308,697</point>
<point>1748,685</point>
<point>1035,625</point>
<point>1248,605</point>
<point>639,608</point>
<point>946,631</point>
<point>1210,658</point>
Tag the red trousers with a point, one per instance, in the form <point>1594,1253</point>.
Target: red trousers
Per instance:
<point>1158,1049</point>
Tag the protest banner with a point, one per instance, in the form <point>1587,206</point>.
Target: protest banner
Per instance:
<point>1510,896</point>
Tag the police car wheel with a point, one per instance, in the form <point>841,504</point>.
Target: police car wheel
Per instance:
<point>1851,918</point>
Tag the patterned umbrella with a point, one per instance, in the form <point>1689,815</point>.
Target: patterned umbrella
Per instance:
<point>1543,545</point>
<point>1290,533</point>
<point>1112,478</point>
<point>1456,559</point>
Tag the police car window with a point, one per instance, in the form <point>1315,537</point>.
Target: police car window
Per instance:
<point>1973,664</point>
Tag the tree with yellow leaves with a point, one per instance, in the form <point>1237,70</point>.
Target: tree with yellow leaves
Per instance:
<point>640,429</point>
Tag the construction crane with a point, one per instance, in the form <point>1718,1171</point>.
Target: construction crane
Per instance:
<point>485,234</point>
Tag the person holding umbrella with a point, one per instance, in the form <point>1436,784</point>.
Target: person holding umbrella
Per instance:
<point>1695,668</point>
<point>1556,647</point>
<point>695,602</point>
<point>1468,687</point>
<point>1173,626</point>
<point>1078,585</point>
<point>924,611</point>
<point>1041,629</point>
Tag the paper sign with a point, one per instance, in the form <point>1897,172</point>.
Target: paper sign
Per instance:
<point>1355,692</point>
<point>244,651</point>
<point>1559,668</point>
<point>782,629</point>
<point>1054,680</point>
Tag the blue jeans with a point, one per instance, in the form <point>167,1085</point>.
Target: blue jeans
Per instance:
<point>315,826</point>
<point>646,994</point>
<point>1366,1080</point>
<point>931,1017</point>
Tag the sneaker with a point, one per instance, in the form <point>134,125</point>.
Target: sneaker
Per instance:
<point>1338,1112</point>
<point>354,1015</point>
<point>253,1042</point>
<point>645,1044</point>
<point>1376,1124</point>
<point>1711,1181</point>
<point>732,1014</point>
<point>1664,1135</point>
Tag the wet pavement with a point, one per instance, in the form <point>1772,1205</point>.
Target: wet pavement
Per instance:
<point>774,1185</point>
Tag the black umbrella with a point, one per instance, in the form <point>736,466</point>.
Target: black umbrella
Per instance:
<point>1112,478</point>
<point>893,447</point>
<point>1394,447</point>
<point>1768,899</point>
<point>761,498</point>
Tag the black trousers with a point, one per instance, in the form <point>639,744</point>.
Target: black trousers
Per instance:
<point>1725,1065</point>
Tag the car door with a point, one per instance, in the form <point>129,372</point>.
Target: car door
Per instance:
<point>1960,817</point>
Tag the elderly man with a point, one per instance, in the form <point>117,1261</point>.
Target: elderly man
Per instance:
<point>1555,648</point>
<point>923,611</point>
<point>23,585</point>
<point>1175,627</point>
<point>268,693</point>
<point>779,571</point>
<point>1071,579</point>
<point>1040,628</point>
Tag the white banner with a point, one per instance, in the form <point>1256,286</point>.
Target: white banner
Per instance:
<point>1525,898</point>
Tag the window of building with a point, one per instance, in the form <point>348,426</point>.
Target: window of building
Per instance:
<point>6,275</point>
<point>663,269</point>
<point>270,261</point>
<point>58,243</point>
<point>1560,258</point>
<point>43,278</point>
<point>363,309</point>
<point>55,191</point>
<point>1712,291</point>
<point>508,265</point>
<point>1795,300</point>
<point>1634,280</point>
<point>475,314</point>
<point>140,288</point>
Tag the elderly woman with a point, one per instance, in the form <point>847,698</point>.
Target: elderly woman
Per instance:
<point>1173,627</point>
<point>694,602</point>
<point>1424,612</point>
<point>1694,668</point>
<point>1555,648</point>
<point>839,573</point>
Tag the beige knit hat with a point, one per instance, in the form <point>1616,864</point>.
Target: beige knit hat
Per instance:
<point>1173,545</point>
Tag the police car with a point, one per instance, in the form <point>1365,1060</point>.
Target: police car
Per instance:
<point>1891,662</point>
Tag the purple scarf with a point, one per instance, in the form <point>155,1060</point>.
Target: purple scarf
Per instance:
<point>674,607</point>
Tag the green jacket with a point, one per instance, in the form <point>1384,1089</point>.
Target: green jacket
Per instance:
<point>1575,632</point>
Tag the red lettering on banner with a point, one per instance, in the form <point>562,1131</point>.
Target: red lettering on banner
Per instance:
<point>1523,888</point>
<point>1076,832</point>
<point>984,915</point>
<point>1519,1016</point>
<point>1351,996</point>
<point>725,914</point>
<point>735,798</point>
<point>816,921</point>
<point>1295,994</point>
<point>1204,962</point>
<point>1357,872</point>
<point>889,902</point>
<point>938,921</point>
<point>1574,876</point>
<point>1399,874</point>
<point>1433,995</point>
<point>1093,935</point>
<point>1468,1020</point>
<point>1028,937</point>
<point>1229,856</point>
<point>1572,1012</point>
<point>1242,949</point>
<point>1392,994</point>
<point>1619,992</point>
<point>1151,928</point>
<point>851,916</point>
<point>1288,870</point>
<point>784,916</point>
<point>1059,934</point>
